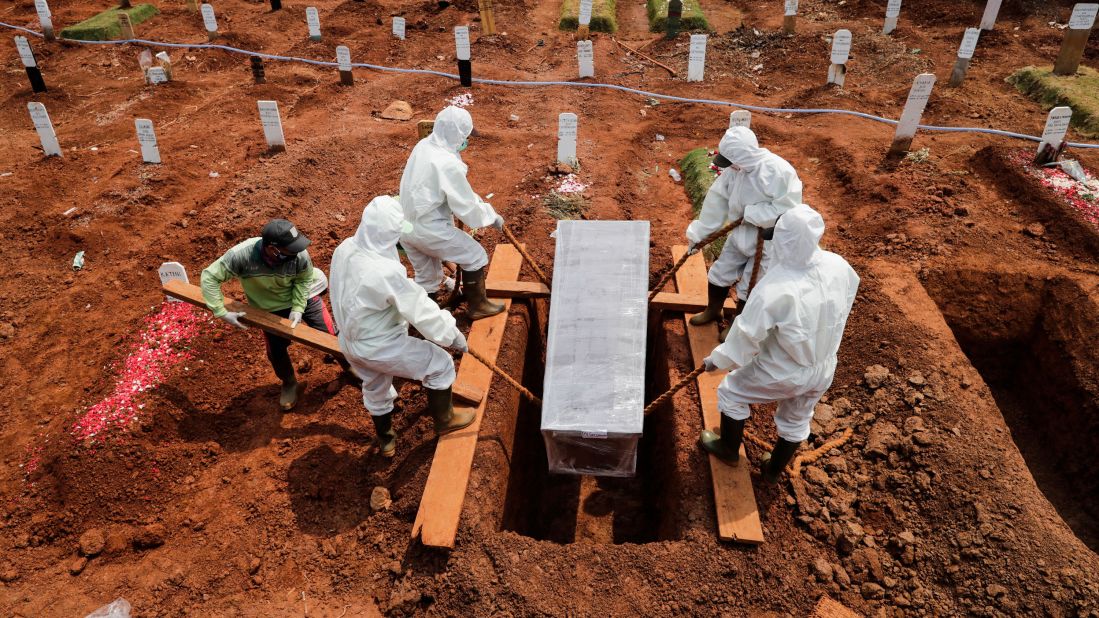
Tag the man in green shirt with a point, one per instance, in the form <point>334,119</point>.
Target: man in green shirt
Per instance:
<point>276,274</point>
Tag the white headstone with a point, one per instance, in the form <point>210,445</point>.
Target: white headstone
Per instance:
<point>914,106</point>
<point>398,27</point>
<point>313,21</point>
<point>25,53</point>
<point>585,12</point>
<point>585,54</point>
<point>892,12</point>
<point>44,16</point>
<point>1056,127</point>
<point>42,124</point>
<point>172,271</point>
<point>566,138</point>
<point>272,124</point>
<point>461,42</point>
<point>157,75</point>
<point>841,46</point>
<point>969,43</point>
<point>740,118</point>
<point>147,138</point>
<point>992,9</point>
<point>1083,16</point>
<point>791,7</point>
<point>696,61</point>
<point>208,18</point>
<point>343,58</point>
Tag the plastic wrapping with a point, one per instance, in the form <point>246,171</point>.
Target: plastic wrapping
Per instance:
<point>594,389</point>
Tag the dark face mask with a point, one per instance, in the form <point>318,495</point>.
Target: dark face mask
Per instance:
<point>279,257</point>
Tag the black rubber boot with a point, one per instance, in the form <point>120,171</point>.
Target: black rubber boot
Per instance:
<point>288,397</point>
<point>715,300</point>
<point>725,332</point>
<point>473,287</point>
<point>775,462</point>
<point>724,443</point>
<point>386,437</point>
<point>441,405</point>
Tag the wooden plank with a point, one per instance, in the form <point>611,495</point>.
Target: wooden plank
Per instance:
<point>303,334</point>
<point>441,505</point>
<point>516,289</point>
<point>693,303</point>
<point>734,498</point>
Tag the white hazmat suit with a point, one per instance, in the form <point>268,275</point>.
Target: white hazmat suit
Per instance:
<point>783,346</point>
<point>434,190</point>
<point>759,186</point>
<point>374,301</point>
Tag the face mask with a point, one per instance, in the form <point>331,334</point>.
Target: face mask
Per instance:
<point>465,144</point>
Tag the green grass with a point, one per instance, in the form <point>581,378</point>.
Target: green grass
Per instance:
<point>1080,92</point>
<point>693,18</point>
<point>565,206</point>
<point>697,178</point>
<point>602,16</point>
<point>104,26</point>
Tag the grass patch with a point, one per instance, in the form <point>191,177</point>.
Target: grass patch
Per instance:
<point>104,26</point>
<point>697,178</point>
<point>1080,92</point>
<point>693,18</point>
<point>602,16</point>
<point>565,205</point>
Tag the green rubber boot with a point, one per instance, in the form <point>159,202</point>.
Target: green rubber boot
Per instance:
<point>715,300</point>
<point>288,398</point>
<point>473,287</point>
<point>725,332</point>
<point>772,464</point>
<point>386,437</point>
<point>724,443</point>
<point>441,405</point>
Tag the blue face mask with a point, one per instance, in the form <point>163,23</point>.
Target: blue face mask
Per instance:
<point>464,145</point>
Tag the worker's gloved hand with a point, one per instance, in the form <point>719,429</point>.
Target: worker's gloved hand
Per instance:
<point>459,342</point>
<point>498,223</point>
<point>692,249</point>
<point>295,319</point>
<point>708,364</point>
<point>233,317</point>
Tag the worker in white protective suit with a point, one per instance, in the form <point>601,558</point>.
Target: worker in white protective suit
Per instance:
<point>434,190</point>
<point>783,346</point>
<point>374,301</point>
<point>756,185</point>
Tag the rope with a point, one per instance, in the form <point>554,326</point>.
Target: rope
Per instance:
<point>751,437</point>
<point>756,263</point>
<point>816,454</point>
<point>675,389</point>
<point>566,84</point>
<point>686,254</point>
<point>510,380</point>
<point>526,256</point>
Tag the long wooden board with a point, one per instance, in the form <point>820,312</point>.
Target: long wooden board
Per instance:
<point>734,498</point>
<point>275,325</point>
<point>441,505</point>
<point>663,301</point>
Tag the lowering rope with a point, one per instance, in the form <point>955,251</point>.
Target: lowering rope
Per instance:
<point>568,84</point>
<point>687,379</point>
<point>526,256</point>
<point>510,380</point>
<point>686,254</point>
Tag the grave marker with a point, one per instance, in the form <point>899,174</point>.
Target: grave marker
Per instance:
<point>165,62</point>
<point>424,128</point>
<point>1053,136</point>
<point>399,27</point>
<point>313,21</point>
<point>27,56</point>
<point>566,138</point>
<point>172,271</point>
<point>343,59</point>
<point>584,19</point>
<point>675,13</point>
<point>1079,29</point>
<point>992,9</point>
<point>465,67</point>
<point>965,54</point>
<point>209,21</point>
<point>790,15</point>
<point>740,118</point>
<point>156,75</point>
<point>44,17</point>
<point>272,125</point>
<point>696,63</point>
<point>276,5</point>
<point>258,74</point>
<point>913,111</point>
<point>42,124</point>
<point>585,54</point>
<point>125,26</point>
<point>488,17</point>
<point>841,51</point>
<point>892,12</point>
<point>149,151</point>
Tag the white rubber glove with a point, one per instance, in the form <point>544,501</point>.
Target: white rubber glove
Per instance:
<point>233,317</point>
<point>459,342</point>
<point>498,223</point>
<point>692,249</point>
<point>708,363</point>
<point>295,319</point>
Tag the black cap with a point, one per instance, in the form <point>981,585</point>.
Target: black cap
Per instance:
<point>284,235</point>
<point>721,161</point>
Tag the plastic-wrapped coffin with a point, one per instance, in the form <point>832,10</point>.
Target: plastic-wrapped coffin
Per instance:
<point>594,389</point>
